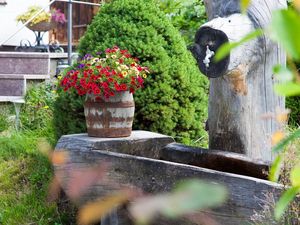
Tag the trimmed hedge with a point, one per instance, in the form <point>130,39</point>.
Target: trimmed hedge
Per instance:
<point>174,100</point>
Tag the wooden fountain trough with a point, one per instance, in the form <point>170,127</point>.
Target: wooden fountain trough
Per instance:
<point>154,163</point>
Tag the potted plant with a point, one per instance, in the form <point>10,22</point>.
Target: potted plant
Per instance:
<point>108,80</point>
<point>44,21</point>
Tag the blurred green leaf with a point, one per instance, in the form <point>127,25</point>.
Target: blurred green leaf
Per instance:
<point>285,141</point>
<point>193,195</point>
<point>295,176</point>
<point>287,89</point>
<point>283,73</point>
<point>225,49</point>
<point>188,197</point>
<point>244,5</point>
<point>284,201</point>
<point>285,28</point>
<point>275,169</point>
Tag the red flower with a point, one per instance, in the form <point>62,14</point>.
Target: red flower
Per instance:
<point>104,77</point>
<point>104,85</point>
<point>117,87</point>
<point>96,91</point>
<point>110,80</point>
<point>140,80</point>
<point>123,87</point>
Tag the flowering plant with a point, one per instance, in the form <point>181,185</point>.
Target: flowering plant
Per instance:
<point>117,71</point>
<point>55,15</point>
<point>58,16</point>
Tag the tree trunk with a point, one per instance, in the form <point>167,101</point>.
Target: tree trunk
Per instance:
<point>239,100</point>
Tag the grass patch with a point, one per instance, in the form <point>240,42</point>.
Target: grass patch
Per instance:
<point>24,177</point>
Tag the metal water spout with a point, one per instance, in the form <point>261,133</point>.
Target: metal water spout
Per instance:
<point>17,104</point>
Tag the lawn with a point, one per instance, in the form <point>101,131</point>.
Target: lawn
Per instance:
<point>25,174</point>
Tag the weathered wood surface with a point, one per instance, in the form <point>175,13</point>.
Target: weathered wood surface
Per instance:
<point>141,143</point>
<point>154,176</point>
<point>217,160</point>
<point>109,117</point>
<point>240,99</point>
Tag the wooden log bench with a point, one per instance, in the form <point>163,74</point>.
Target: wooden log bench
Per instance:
<point>154,163</point>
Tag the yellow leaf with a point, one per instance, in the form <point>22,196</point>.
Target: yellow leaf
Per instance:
<point>297,4</point>
<point>295,176</point>
<point>59,158</point>
<point>277,137</point>
<point>283,117</point>
<point>244,5</point>
<point>94,211</point>
<point>44,147</point>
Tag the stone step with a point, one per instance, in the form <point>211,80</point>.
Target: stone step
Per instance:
<point>12,85</point>
<point>16,68</point>
<point>24,63</point>
<point>29,63</point>
<point>12,99</point>
<point>25,76</point>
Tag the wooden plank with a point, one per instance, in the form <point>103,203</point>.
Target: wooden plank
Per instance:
<point>156,176</point>
<point>217,160</point>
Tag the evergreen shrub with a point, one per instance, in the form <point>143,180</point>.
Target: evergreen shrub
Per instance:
<point>293,103</point>
<point>174,100</point>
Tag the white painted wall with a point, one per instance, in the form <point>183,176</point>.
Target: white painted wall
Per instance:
<point>8,23</point>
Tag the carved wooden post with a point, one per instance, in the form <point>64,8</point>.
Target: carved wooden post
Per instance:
<point>241,85</point>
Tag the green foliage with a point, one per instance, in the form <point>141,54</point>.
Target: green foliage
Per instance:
<point>284,29</point>
<point>293,103</point>
<point>225,49</point>
<point>188,197</point>
<point>24,178</point>
<point>174,100</point>
<point>68,114</point>
<point>36,113</point>
<point>4,123</point>
<point>186,15</point>
<point>4,120</point>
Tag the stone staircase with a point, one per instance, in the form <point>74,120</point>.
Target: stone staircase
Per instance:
<point>19,68</point>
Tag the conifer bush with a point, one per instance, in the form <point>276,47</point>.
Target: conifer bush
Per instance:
<point>174,100</point>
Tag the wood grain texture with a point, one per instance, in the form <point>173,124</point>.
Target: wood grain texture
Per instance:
<point>156,176</point>
<point>235,120</point>
<point>223,161</point>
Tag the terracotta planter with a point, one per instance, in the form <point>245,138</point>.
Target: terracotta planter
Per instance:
<point>109,118</point>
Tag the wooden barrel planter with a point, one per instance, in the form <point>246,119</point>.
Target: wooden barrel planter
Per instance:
<point>109,117</point>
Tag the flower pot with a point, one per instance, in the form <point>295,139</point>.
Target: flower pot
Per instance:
<point>42,26</point>
<point>109,117</point>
